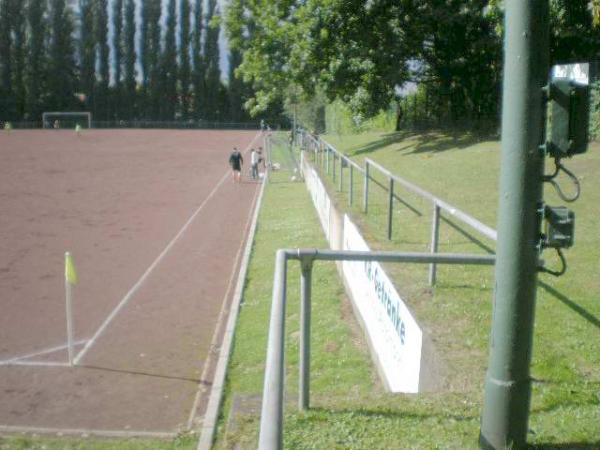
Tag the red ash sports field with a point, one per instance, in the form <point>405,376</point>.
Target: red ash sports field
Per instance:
<point>118,201</point>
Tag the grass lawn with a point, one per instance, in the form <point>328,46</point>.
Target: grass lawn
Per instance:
<point>349,406</point>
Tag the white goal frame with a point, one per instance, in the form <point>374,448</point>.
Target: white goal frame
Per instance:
<point>59,114</point>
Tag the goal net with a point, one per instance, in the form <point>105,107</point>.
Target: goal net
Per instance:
<point>68,120</point>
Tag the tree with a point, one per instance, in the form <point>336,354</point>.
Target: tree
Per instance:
<point>36,59</point>
<point>152,58</point>
<point>7,103</point>
<point>129,57</point>
<point>184,58</point>
<point>19,55</point>
<point>87,52</point>
<point>61,59</point>
<point>118,54</point>
<point>169,64</point>
<point>103,74</point>
<point>212,106</point>
<point>199,70</point>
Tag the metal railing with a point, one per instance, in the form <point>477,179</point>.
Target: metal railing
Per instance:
<point>271,420</point>
<point>323,152</point>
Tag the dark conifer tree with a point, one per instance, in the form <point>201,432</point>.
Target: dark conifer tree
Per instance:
<point>7,103</point>
<point>102,49</point>
<point>199,71</point>
<point>152,58</point>
<point>169,64</point>
<point>87,52</point>
<point>117,46</point>
<point>36,59</point>
<point>61,59</point>
<point>19,57</point>
<point>212,108</point>
<point>129,56</point>
<point>184,58</point>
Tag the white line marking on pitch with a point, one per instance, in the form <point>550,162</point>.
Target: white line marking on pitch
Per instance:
<point>220,321</point>
<point>41,352</point>
<point>39,363</point>
<point>139,283</point>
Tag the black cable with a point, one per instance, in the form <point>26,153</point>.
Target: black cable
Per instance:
<point>550,179</point>
<point>557,273</point>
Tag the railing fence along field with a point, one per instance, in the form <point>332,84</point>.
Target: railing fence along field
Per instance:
<point>271,423</point>
<point>325,156</point>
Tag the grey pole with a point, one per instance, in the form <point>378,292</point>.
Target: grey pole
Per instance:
<point>435,236</point>
<point>305,308</point>
<point>333,166</point>
<point>341,173</point>
<point>507,394</point>
<point>390,209</point>
<point>366,190</point>
<point>271,433</point>
<point>351,193</point>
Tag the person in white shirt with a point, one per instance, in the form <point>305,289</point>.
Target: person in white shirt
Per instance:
<point>254,164</point>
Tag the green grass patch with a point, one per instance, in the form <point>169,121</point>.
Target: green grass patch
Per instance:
<point>350,410</point>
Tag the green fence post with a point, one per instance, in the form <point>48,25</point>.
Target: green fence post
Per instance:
<point>390,208</point>
<point>366,189</point>
<point>351,193</point>
<point>507,394</point>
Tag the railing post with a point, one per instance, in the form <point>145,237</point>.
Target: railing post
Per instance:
<point>327,160</point>
<point>390,208</point>
<point>351,194</point>
<point>341,173</point>
<point>333,166</point>
<point>271,429</point>
<point>435,235</point>
<point>305,313</point>
<point>366,189</point>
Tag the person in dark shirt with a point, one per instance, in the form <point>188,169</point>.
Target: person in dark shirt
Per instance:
<point>236,161</point>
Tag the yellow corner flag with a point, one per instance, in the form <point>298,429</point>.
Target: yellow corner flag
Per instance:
<point>70,272</point>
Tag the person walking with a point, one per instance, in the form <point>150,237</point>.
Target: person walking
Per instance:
<point>254,164</point>
<point>236,161</point>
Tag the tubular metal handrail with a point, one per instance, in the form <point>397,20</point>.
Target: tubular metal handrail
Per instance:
<point>464,217</point>
<point>271,420</point>
<point>439,205</point>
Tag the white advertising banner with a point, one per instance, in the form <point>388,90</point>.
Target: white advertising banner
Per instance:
<point>319,197</point>
<point>394,334</point>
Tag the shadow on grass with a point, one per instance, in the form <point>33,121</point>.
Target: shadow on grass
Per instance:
<point>468,235</point>
<point>571,304</point>
<point>567,446</point>
<point>389,414</point>
<point>387,139</point>
<point>438,142</point>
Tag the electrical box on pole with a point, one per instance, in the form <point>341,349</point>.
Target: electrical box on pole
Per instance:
<point>569,106</point>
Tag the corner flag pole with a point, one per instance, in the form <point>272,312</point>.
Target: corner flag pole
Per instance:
<point>70,281</point>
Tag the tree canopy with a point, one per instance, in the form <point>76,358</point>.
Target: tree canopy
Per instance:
<point>365,52</point>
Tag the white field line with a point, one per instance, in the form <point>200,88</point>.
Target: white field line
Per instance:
<point>143,278</point>
<point>41,352</point>
<point>39,363</point>
<point>220,321</point>
<point>85,432</point>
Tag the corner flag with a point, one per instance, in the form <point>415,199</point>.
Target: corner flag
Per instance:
<point>70,273</point>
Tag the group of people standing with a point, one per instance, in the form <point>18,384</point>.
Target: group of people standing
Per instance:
<point>236,161</point>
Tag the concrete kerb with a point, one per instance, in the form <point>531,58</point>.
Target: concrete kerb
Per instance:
<point>209,422</point>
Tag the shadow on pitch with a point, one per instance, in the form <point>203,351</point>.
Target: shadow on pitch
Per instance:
<point>145,374</point>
